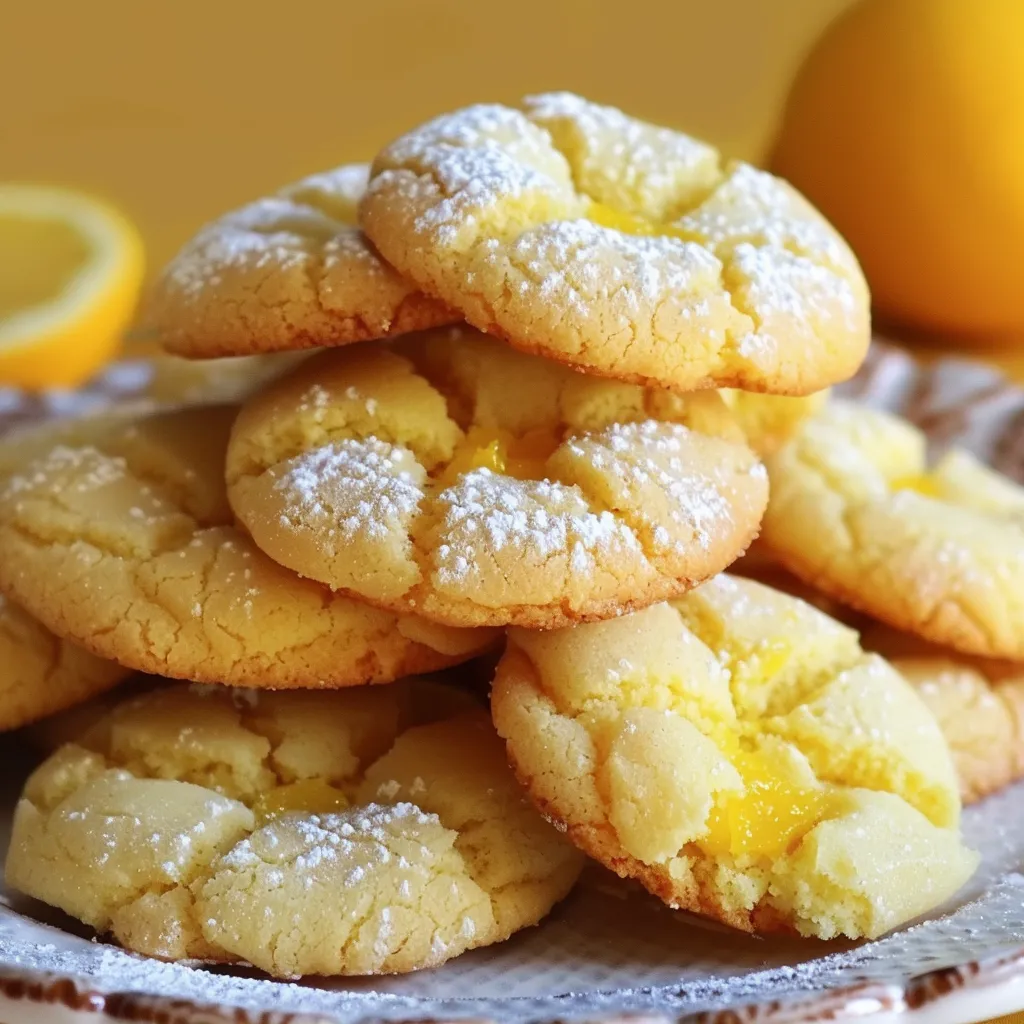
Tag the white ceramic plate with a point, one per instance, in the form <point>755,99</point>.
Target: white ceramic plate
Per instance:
<point>610,951</point>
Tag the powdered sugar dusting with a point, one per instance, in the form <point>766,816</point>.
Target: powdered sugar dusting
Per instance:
<point>654,460</point>
<point>586,267</point>
<point>279,232</point>
<point>486,513</point>
<point>778,288</point>
<point>626,158</point>
<point>344,186</point>
<point>480,126</point>
<point>751,205</point>
<point>357,487</point>
<point>478,158</point>
<point>101,471</point>
<point>726,263</point>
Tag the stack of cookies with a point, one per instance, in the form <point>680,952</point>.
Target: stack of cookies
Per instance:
<point>555,344</point>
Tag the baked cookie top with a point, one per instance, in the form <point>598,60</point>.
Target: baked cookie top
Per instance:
<point>449,475</point>
<point>206,824</point>
<point>577,232</point>
<point>290,271</point>
<point>125,543</point>
<point>800,784</point>
<point>45,674</point>
<point>858,511</point>
<point>978,703</point>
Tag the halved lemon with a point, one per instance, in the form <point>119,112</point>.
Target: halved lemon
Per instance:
<point>70,273</point>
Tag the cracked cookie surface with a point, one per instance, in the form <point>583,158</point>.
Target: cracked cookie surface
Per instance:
<point>291,271</point>
<point>936,550</point>
<point>628,250</point>
<point>363,832</point>
<point>125,543</point>
<point>978,703</point>
<point>44,674</point>
<point>799,784</point>
<point>448,474</point>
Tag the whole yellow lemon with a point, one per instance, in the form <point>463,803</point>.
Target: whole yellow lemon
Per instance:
<point>906,127</point>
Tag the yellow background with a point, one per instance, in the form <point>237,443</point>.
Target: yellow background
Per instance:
<point>179,109</point>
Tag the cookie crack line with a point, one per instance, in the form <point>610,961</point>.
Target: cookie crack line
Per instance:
<point>787,842</point>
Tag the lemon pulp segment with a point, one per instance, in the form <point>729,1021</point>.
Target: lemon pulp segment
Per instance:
<point>40,258</point>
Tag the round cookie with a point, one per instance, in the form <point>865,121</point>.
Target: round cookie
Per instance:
<point>291,271</point>
<point>125,543</point>
<point>937,551</point>
<point>800,784</point>
<point>978,703</point>
<point>624,249</point>
<point>44,674</point>
<point>449,475</point>
<point>206,824</point>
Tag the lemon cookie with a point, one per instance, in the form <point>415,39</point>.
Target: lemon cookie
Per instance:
<point>45,673</point>
<point>291,271</point>
<point>738,753</point>
<point>938,551</point>
<point>621,248</point>
<point>978,703</point>
<point>126,545</point>
<point>42,673</point>
<point>449,475</point>
<point>208,825</point>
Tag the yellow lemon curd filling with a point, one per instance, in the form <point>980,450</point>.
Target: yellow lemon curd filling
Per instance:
<point>774,810</point>
<point>631,223</point>
<point>524,457</point>
<point>768,817</point>
<point>923,483</point>
<point>316,796</point>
